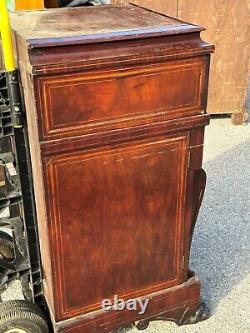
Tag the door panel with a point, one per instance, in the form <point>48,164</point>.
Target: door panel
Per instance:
<point>116,219</point>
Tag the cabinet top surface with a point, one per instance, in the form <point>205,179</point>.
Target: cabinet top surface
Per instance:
<point>80,25</point>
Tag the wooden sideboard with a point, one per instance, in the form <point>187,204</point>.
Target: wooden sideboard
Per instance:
<point>116,108</point>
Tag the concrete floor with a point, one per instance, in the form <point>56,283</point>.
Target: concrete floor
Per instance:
<point>221,246</point>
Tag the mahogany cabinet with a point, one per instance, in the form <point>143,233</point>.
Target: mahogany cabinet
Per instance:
<point>116,108</point>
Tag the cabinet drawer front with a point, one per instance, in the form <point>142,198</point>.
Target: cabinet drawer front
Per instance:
<point>80,103</point>
<point>117,220</point>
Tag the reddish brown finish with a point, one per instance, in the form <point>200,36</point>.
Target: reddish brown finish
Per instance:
<point>127,194</point>
<point>115,119</point>
<point>65,26</point>
<point>134,94</point>
<point>162,306</point>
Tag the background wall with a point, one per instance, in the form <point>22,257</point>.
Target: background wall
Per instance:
<point>228,25</point>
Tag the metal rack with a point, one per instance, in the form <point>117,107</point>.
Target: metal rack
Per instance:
<point>18,229</point>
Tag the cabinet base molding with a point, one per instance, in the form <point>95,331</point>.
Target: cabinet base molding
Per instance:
<point>180,304</point>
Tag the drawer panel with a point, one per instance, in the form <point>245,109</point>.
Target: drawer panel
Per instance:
<point>79,103</point>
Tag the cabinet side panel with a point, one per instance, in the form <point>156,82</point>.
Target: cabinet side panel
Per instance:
<point>28,90</point>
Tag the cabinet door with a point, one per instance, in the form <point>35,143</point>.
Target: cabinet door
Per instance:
<point>116,221</point>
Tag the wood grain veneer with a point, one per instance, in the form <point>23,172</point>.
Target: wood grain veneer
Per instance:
<point>116,110</point>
